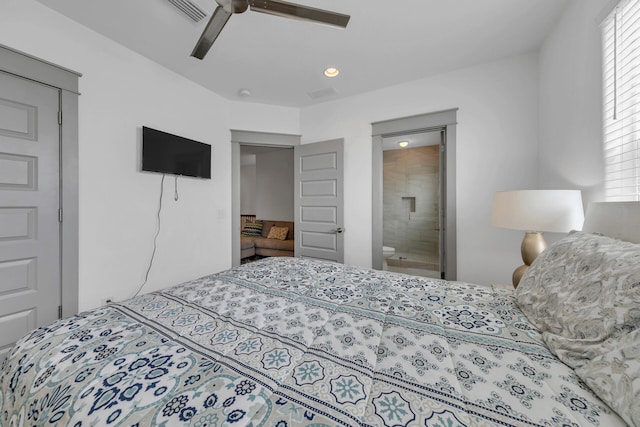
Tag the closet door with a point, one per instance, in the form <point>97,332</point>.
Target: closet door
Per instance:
<point>30,283</point>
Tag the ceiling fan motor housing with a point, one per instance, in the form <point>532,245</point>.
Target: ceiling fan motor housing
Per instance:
<point>234,6</point>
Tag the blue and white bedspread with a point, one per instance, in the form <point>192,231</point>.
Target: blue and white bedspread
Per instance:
<point>290,342</point>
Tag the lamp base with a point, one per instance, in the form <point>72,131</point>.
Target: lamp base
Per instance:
<point>517,274</point>
<point>533,244</point>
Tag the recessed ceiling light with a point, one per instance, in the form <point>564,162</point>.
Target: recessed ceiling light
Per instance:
<point>403,143</point>
<point>331,72</point>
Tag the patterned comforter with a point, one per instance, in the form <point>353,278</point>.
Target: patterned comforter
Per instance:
<point>291,342</point>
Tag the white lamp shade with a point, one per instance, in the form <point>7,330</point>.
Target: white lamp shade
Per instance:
<point>538,210</point>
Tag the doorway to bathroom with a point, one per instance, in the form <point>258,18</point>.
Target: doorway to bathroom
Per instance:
<point>414,195</point>
<point>411,203</point>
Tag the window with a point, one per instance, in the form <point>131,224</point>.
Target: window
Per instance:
<point>621,63</point>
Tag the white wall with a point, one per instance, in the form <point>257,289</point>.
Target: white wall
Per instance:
<point>274,185</point>
<point>571,153</point>
<point>122,91</point>
<point>497,150</point>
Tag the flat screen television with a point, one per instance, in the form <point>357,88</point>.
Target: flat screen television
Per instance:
<point>172,154</point>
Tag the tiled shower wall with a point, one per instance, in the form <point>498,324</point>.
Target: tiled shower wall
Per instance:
<point>410,198</point>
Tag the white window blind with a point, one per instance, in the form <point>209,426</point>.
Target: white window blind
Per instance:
<point>621,57</point>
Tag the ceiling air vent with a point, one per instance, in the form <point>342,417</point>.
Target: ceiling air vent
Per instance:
<point>321,93</point>
<point>192,11</point>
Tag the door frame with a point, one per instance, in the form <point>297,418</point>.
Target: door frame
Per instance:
<point>445,120</point>
<point>246,137</point>
<point>22,65</point>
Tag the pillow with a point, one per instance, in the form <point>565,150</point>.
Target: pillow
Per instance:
<point>279,233</point>
<point>583,287</point>
<point>583,293</point>
<point>252,229</point>
<point>614,376</point>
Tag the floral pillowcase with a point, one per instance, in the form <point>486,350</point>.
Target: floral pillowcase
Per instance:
<point>583,293</point>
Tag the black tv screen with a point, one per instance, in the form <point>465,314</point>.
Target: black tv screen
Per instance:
<point>172,154</point>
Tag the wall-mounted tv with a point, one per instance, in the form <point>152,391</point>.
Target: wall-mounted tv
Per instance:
<point>172,154</point>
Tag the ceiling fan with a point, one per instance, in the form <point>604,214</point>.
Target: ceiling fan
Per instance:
<point>226,8</point>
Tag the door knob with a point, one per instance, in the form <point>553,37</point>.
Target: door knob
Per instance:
<point>338,230</point>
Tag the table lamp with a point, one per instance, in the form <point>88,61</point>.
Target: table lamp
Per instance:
<point>536,211</point>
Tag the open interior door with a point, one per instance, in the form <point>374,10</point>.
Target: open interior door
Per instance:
<point>319,200</point>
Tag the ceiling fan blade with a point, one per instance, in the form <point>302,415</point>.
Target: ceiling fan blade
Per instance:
<point>210,33</point>
<point>296,11</point>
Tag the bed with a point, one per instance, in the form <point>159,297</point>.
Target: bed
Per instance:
<point>296,342</point>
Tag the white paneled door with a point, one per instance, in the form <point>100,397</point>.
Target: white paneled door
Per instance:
<point>319,201</point>
<point>30,288</point>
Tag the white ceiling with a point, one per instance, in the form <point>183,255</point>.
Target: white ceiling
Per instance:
<point>281,60</point>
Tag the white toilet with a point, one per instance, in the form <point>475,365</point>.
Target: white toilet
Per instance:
<point>387,252</point>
